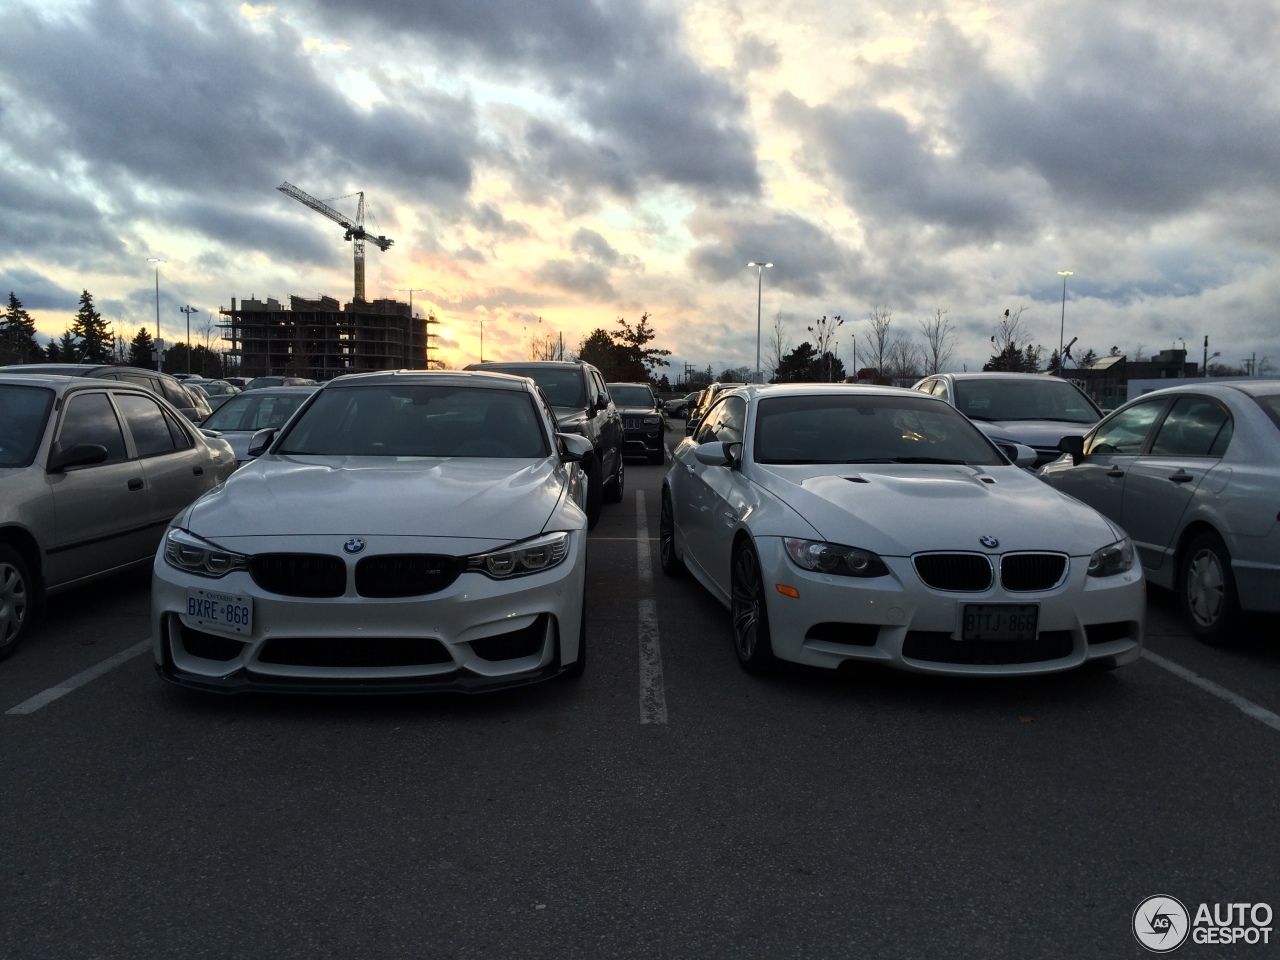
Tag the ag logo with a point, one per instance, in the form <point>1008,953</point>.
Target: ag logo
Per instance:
<point>354,545</point>
<point>1161,924</point>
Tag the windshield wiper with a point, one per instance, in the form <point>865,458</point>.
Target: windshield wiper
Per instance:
<point>945,460</point>
<point>974,416</point>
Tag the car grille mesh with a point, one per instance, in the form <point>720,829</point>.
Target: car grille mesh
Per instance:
<point>300,574</point>
<point>1032,571</point>
<point>405,574</point>
<point>961,572</point>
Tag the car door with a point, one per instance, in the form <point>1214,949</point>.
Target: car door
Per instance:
<point>608,423</point>
<point>173,464</point>
<point>1188,443</point>
<point>1109,451</point>
<point>101,515</point>
<point>710,494</point>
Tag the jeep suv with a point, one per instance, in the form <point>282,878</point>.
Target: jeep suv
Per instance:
<point>643,423</point>
<point>581,403</point>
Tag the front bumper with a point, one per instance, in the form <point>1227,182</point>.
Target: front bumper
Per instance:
<point>475,635</point>
<point>899,622</point>
<point>642,441</point>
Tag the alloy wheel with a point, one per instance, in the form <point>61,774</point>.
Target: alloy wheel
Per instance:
<point>746,602</point>
<point>13,603</point>
<point>1206,587</point>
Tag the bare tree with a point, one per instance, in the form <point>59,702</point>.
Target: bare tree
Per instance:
<point>1139,351</point>
<point>939,342</point>
<point>878,343</point>
<point>779,345</point>
<point>904,359</point>
<point>824,332</point>
<point>1010,331</point>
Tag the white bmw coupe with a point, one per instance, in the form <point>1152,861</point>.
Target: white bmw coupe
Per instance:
<point>846,523</point>
<point>405,531</point>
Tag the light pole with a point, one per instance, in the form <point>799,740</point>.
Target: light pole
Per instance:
<point>760,267</point>
<point>159,345</point>
<point>482,339</point>
<point>188,310</point>
<point>1062,324</point>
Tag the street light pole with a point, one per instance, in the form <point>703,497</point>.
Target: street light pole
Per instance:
<point>188,310</point>
<point>760,267</point>
<point>482,339</point>
<point>157,261</point>
<point>1062,324</point>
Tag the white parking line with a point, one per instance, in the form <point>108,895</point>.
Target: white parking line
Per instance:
<point>1247,707</point>
<point>79,680</point>
<point>653,697</point>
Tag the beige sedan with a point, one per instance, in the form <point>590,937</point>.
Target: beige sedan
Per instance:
<point>91,473</point>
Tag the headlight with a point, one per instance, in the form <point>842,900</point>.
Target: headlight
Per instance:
<point>532,556</point>
<point>1112,559</point>
<point>653,420</point>
<point>188,552</point>
<point>834,558</point>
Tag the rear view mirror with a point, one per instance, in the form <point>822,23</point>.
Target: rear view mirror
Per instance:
<point>1073,445</point>
<point>77,455</point>
<point>259,442</point>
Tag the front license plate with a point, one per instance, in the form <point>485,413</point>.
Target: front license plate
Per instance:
<point>219,611</point>
<point>999,621</point>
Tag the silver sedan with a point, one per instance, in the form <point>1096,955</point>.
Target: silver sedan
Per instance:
<point>91,473</point>
<point>1190,472</point>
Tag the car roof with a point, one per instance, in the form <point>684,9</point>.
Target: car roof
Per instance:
<point>444,377</point>
<point>64,383</point>
<point>998,375</point>
<point>811,389</point>
<point>630,383</point>
<point>1219,388</point>
<point>523,364</point>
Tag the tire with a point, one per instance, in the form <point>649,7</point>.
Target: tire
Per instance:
<point>595,492</point>
<point>579,666</point>
<point>752,641</point>
<point>1207,590</point>
<point>671,565</point>
<point>617,486</point>
<point>17,593</point>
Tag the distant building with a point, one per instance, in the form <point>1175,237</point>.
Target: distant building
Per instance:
<point>322,339</point>
<point>1106,379</point>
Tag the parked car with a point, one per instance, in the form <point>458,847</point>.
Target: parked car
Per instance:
<point>680,406</point>
<point>189,403</point>
<point>404,532</point>
<point>1191,473</point>
<point>1029,408</point>
<point>240,382</point>
<point>705,399</point>
<point>643,424</point>
<point>216,392</point>
<point>91,472</point>
<point>880,525</point>
<point>577,393</point>
<point>257,383</point>
<point>243,415</point>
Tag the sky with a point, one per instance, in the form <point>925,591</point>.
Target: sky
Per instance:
<point>545,168</point>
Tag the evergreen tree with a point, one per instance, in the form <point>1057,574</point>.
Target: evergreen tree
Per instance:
<point>95,338</point>
<point>801,365</point>
<point>68,349</point>
<point>52,354</point>
<point>599,350</point>
<point>140,350</point>
<point>18,342</point>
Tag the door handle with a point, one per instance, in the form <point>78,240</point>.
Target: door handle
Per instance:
<point>136,483</point>
<point>1181,477</point>
<point>198,471</point>
<point>1115,472</point>
<point>689,470</point>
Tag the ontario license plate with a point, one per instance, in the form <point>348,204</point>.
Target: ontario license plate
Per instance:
<point>999,621</point>
<point>224,612</point>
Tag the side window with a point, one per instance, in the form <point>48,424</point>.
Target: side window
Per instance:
<point>146,422</point>
<point>90,418</point>
<point>181,438</point>
<point>927,386</point>
<point>174,393</point>
<point>1126,431</point>
<point>1195,427</point>
<point>598,386</point>
<point>724,422</point>
<point>138,380</point>
<point>940,390</point>
<point>707,429</point>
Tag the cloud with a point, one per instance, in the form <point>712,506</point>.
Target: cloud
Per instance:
<point>36,291</point>
<point>807,260</point>
<point>577,276</point>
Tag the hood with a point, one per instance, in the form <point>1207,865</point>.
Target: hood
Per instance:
<point>502,500</point>
<point>896,510</point>
<point>1034,433</point>
<point>629,410</point>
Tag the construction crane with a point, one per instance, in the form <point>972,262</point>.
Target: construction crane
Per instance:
<point>355,228</point>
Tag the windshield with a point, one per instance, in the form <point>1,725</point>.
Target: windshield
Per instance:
<point>23,412</point>
<point>847,428</point>
<point>1015,398</point>
<point>418,420</point>
<point>562,385</point>
<point>630,396</point>
<point>254,411</point>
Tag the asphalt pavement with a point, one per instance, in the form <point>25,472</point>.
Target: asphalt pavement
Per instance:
<point>665,805</point>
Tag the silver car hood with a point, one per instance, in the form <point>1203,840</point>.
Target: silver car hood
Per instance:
<point>898,510</point>
<point>505,500</point>
<point>1034,433</point>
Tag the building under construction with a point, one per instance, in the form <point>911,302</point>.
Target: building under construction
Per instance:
<point>323,339</point>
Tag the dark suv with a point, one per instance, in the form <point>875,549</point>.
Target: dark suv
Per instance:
<point>643,424</point>
<point>581,403</point>
<point>190,403</point>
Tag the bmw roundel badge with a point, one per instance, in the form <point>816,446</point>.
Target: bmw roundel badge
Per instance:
<point>989,542</point>
<point>354,545</point>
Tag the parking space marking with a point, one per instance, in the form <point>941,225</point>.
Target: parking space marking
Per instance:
<point>79,680</point>
<point>1248,707</point>
<point>653,697</point>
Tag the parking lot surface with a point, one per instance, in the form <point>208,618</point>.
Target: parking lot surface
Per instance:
<point>665,805</point>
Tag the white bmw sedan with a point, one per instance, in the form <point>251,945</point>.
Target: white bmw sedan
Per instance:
<point>403,532</point>
<point>860,523</point>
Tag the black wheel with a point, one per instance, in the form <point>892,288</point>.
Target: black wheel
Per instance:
<point>617,486</point>
<point>16,595</point>
<point>751,639</point>
<point>658,456</point>
<point>595,491</point>
<point>671,565</point>
<point>1207,590</point>
<point>579,666</point>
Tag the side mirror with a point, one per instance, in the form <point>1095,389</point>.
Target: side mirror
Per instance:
<point>77,455</point>
<point>1073,445</point>
<point>574,448</point>
<point>1023,456</point>
<point>715,453</point>
<point>259,442</point>
<point>602,401</point>
<point>211,434</point>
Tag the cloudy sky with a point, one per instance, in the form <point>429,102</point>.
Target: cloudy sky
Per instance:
<point>577,161</point>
